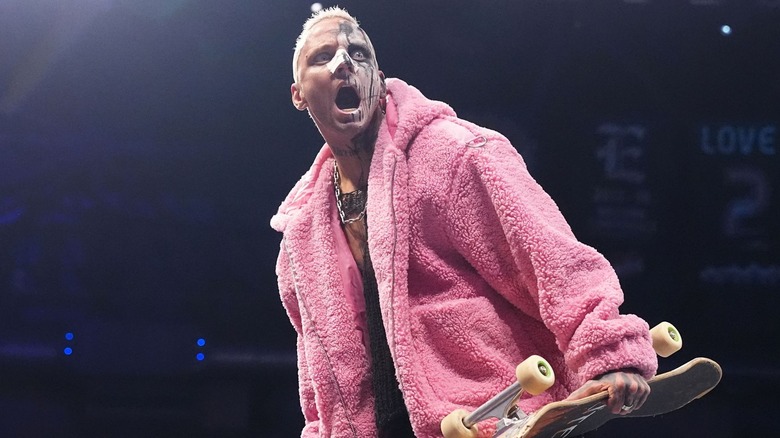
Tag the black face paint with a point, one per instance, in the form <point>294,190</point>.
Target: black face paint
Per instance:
<point>365,73</point>
<point>346,28</point>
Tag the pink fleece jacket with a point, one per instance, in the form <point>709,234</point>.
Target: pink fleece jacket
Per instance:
<point>476,268</point>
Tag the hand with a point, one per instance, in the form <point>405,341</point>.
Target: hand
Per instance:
<point>627,391</point>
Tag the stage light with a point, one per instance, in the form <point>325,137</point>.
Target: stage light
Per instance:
<point>68,351</point>
<point>725,30</point>
<point>316,7</point>
<point>69,336</point>
<point>201,342</point>
<point>200,356</point>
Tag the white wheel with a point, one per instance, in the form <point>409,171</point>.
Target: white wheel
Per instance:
<point>452,426</point>
<point>666,339</point>
<point>535,375</point>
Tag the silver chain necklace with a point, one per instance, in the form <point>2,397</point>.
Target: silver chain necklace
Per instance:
<point>358,193</point>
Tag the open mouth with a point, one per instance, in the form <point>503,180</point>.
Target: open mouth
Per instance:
<point>347,99</point>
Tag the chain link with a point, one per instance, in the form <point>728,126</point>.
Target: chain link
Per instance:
<point>337,187</point>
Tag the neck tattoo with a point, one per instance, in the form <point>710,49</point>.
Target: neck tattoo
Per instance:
<point>352,205</point>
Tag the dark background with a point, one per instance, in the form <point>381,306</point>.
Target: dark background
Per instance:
<point>145,144</point>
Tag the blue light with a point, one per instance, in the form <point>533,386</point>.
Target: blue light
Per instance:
<point>201,342</point>
<point>68,351</point>
<point>200,356</point>
<point>725,30</point>
<point>69,336</point>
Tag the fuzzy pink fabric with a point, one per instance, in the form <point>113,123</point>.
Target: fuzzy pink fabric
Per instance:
<point>476,268</point>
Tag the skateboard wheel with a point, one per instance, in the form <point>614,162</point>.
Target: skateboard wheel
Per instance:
<point>666,339</point>
<point>535,375</point>
<point>452,426</point>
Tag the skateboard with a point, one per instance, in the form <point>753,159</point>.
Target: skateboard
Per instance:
<point>669,391</point>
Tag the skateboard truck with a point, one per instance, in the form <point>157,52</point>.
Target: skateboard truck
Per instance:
<point>534,375</point>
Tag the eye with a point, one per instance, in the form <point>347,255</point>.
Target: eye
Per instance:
<point>322,57</point>
<point>358,55</point>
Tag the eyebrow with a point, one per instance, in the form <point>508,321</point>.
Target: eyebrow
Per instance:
<point>322,47</point>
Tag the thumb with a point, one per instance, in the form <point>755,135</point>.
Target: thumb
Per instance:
<point>589,388</point>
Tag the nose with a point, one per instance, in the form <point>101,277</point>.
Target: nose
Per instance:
<point>341,62</point>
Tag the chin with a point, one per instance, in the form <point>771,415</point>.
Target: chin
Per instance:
<point>351,120</point>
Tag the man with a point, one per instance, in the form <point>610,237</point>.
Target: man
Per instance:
<point>420,262</point>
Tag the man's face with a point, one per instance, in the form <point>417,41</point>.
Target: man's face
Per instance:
<point>339,81</point>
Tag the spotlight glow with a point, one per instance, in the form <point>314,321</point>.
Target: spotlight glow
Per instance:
<point>316,7</point>
<point>725,30</point>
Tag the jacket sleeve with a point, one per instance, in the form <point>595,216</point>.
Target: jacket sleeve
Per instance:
<point>305,385</point>
<point>514,235</point>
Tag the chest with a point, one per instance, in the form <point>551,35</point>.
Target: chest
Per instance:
<point>357,239</point>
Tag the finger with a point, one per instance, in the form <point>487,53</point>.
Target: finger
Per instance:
<point>616,401</point>
<point>630,395</point>
<point>635,394</point>
<point>642,395</point>
<point>629,405</point>
<point>618,396</point>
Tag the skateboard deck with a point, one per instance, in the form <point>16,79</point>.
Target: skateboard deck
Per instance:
<point>669,391</point>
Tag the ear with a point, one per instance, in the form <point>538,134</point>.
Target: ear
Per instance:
<point>298,100</point>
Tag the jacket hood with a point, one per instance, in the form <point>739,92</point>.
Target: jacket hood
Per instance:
<point>408,111</point>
